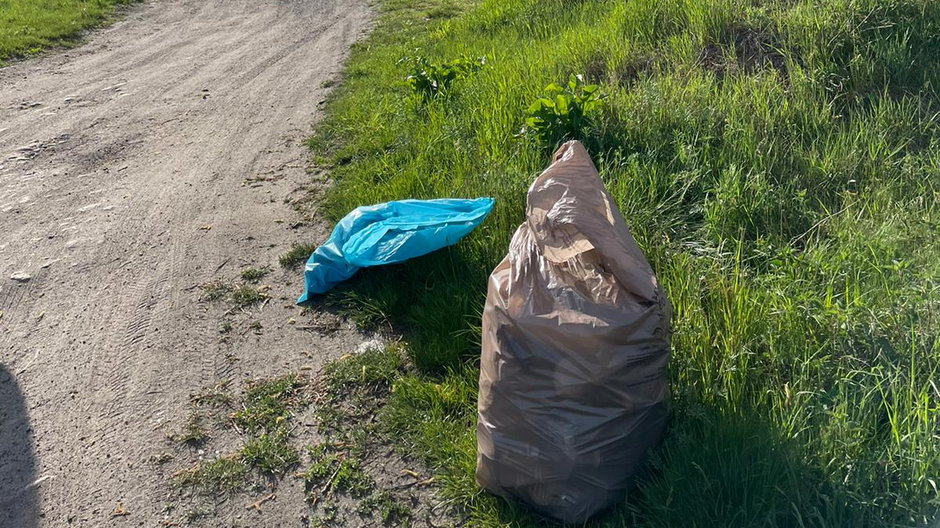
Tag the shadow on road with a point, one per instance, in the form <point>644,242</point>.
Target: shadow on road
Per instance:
<point>19,503</point>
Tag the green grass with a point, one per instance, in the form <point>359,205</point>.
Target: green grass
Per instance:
<point>263,420</point>
<point>222,475</point>
<point>269,404</point>
<point>215,290</point>
<point>351,393</point>
<point>369,372</point>
<point>245,295</point>
<point>270,453</point>
<point>254,275</point>
<point>335,469</point>
<point>389,510</point>
<point>354,387</point>
<point>778,162</point>
<point>296,255</point>
<point>28,26</point>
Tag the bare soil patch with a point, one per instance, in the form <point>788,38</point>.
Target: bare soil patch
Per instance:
<point>161,155</point>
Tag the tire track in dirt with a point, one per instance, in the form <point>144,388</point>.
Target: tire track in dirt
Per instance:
<point>123,163</point>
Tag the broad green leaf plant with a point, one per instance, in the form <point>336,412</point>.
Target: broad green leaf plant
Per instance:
<point>564,112</point>
<point>432,80</point>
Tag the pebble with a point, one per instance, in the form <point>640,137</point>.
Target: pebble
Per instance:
<point>20,276</point>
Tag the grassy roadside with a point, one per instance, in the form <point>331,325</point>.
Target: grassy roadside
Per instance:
<point>779,162</point>
<point>28,26</point>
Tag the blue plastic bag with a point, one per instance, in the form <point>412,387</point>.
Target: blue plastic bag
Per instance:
<point>388,233</point>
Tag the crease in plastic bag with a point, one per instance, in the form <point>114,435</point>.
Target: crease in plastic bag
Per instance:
<point>388,233</point>
<point>573,373</point>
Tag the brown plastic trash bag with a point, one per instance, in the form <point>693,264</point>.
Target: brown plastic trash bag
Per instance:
<point>573,380</point>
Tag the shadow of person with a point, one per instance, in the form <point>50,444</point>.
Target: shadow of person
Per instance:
<point>19,501</point>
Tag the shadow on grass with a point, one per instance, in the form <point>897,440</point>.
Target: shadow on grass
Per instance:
<point>429,300</point>
<point>19,502</point>
<point>716,467</point>
<point>714,471</point>
<point>727,469</point>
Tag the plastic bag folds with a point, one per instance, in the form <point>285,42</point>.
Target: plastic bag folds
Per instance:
<point>388,233</point>
<point>573,373</point>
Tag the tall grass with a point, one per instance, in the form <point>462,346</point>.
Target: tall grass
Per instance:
<point>27,26</point>
<point>779,163</point>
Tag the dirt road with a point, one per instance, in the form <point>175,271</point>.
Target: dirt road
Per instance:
<point>157,156</point>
